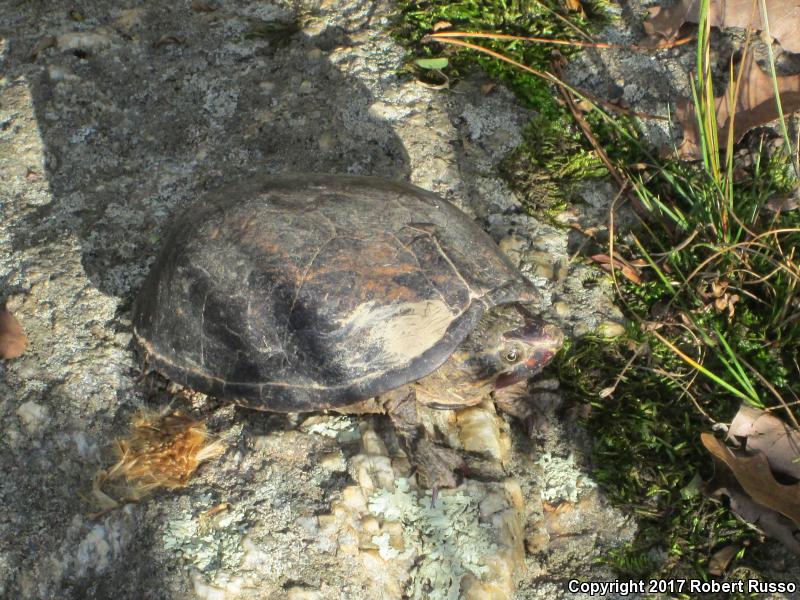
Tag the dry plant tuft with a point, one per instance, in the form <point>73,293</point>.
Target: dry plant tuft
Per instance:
<point>162,451</point>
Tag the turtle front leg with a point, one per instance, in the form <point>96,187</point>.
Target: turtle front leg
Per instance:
<point>515,400</point>
<point>533,407</point>
<point>437,464</point>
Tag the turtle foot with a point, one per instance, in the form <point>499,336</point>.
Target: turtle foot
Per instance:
<point>441,467</point>
<point>437,464</point>
<point>515,400</point>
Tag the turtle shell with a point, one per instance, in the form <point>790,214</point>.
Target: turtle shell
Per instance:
<point>303,292</point>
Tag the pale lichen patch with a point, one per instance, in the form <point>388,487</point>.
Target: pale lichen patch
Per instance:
<point>468,543</point>
<point>563,480</point>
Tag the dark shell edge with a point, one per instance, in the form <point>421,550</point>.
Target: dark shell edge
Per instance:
<point>280,398</point>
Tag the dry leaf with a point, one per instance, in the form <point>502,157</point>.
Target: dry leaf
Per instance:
<point>766,433</point>
<point>166,40</point>
<point>161,452</point>
<point>719,561</point>
<point>13,341</point>
<point>567,521</point>
<point>755,105</point>
<point>784,203</point>
<point>773,524</point>
<point>200,6</point>
<point>439,25</point>
<point>628,270</point>
<point>561,507</point>
<point>43,44</point>
<point>607,391</point>
<point>557,518</point>
<point>575,6</point>
<point>756,478</point>
<point>783,18</point>
<point>718,296</point>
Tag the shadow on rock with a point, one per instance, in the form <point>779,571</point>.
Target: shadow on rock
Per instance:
<point>140,116</point>
<point>139,112</point>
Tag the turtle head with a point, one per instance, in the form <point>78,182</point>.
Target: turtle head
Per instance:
<point>527,348</point>
<point>509,344</point>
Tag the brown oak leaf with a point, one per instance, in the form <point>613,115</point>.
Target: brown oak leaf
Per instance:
<point>755,105</point>
<point>783,18</point>
<point>756,478</point>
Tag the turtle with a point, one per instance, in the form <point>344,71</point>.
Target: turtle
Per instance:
<point>307,292</point>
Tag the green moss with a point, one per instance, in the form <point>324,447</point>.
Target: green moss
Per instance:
<point>415,20</point>
<point>645,457</point>
<point>555,154</point>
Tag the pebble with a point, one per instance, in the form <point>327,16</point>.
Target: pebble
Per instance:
<point>562,309</point>
<point>512,246</point>
<point>84,40</point>
<point>333,461</point>
<point>32,415</point>
<point>610,329</point>
<point>581,329</point>
<point>543,265</point>
<point>326,141</point>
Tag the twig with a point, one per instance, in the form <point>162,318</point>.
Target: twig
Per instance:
<point>546,76</point>
<point>772,389</point>
<point>587,131</point>
<point>685,389</point>
<point>540,40</point>
<point>564,20</point>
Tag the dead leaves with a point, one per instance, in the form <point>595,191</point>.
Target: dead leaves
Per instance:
<point>755,476</point>
<point>768,434</point>
<point>765,487</point>
<point>161,452</point>
<point>719,561</point>
<point>755,105</point>
<point>13,341</point>
<point>782,15</point>
<point>575,6</point>
<point>716,294</point>
<point>629,269</point>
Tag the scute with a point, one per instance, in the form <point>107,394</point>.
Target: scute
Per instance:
<point>309,291</point>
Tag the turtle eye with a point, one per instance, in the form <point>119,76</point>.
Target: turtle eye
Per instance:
<point>512,354</point>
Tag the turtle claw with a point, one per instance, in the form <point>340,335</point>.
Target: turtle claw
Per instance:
<point>529,427</point>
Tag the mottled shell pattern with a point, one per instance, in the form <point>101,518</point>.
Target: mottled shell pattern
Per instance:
<point>303,292</point>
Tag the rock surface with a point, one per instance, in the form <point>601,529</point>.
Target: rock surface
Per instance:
<point>111,121</point>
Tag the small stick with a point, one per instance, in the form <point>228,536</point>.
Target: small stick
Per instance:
<point>600,45</point>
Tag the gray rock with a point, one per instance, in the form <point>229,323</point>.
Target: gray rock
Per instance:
<point>111,125</point>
